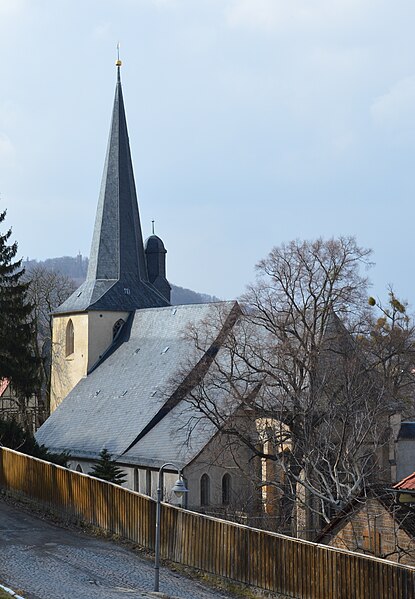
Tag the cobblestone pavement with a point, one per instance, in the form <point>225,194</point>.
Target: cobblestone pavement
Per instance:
<point>44,561</point>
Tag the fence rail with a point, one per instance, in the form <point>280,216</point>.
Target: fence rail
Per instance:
<point>291,567</point>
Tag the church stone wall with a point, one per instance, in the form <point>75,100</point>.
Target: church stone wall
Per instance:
<point>219,457</point>
<point>373,530</point>
<point>145,480</point>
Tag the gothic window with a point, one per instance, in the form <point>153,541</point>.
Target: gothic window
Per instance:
<point>117,327</point>
<point>205,490</point>
<point>78,468</point>
<point>226,489</point>
<point>70,338</point>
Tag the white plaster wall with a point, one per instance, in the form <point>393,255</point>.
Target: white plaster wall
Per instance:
<point>147,480</point>
<point>142,480</point>
<point>67,371</point>
<point>129,475</point>
<point>169,479</point>
<point>87,466</point>
<point>100,326</point>
<point>92,335</point>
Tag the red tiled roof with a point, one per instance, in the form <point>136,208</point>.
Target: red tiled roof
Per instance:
<point>407,483</point>
<point>4,383</point>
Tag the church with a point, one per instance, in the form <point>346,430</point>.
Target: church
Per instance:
<point>122,361</point>
<point>125,366</point>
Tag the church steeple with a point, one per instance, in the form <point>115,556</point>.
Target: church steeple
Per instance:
<point>117,246</point>
<point>117,276</point>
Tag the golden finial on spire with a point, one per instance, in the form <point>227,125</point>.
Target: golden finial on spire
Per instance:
<point>118,61</point>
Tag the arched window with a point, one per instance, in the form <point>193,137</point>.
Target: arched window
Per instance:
<point>226,489</point>
<point>205,490</point>
<point>117,327</point>
<point>78,468</point>
<point>70,338</point>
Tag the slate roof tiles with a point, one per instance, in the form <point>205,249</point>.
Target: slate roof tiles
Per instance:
<point>121,404</point>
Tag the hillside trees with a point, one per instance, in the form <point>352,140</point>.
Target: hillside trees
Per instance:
<point>315,411</point>
<point>17,360</point>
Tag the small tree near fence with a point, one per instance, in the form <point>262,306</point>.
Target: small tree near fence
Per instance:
<point>106,469</point>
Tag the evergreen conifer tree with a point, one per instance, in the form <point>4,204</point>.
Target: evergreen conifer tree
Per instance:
<point>14,436</point>
<point>106,469</point>
<point>17,361</point>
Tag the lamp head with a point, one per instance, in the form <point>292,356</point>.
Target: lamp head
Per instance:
<point>179,488</point>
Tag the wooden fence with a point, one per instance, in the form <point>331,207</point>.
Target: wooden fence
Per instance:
<point>274,562</point>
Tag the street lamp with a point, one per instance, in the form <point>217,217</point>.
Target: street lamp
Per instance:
<point>179,489</point>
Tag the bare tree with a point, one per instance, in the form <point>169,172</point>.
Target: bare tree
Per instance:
<point>47,290</point>
<point>313,405</point>
<point>391,345</point>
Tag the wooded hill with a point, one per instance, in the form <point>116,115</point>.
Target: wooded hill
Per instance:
<point>76,269</point>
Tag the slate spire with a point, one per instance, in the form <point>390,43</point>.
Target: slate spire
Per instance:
<point>117,276</point>
<point>117,246</point>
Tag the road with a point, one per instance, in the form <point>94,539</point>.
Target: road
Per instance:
<point>45,561</point>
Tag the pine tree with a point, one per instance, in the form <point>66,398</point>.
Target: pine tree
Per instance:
<point>17,361</point>
<point>14,436</point>
<point>106,469</point>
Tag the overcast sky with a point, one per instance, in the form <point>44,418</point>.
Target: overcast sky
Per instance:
<point>251,122</point>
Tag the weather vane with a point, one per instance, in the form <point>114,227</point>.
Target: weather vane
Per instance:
<point>118,63</point>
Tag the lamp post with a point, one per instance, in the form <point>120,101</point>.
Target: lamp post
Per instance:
<point>179,489</point>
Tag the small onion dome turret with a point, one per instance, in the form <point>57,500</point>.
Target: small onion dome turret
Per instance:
<point>154,245</point>
<point>156,265</point>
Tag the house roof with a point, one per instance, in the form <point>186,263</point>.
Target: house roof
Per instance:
<point>4,383</point>
<point>407,484</point>
<point>404,515</point>
<point>131,403</point>
<point>178,437</point>
<point>117,277</point>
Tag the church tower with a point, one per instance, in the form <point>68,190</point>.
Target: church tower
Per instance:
<point>117,282</point>
<point>156,265</point>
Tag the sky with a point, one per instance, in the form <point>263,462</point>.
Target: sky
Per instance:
<point>251,122</point>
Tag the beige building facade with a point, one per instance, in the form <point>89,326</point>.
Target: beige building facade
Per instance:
<point>79,341</point>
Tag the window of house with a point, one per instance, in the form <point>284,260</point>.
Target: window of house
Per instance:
<point>70,338</point>
<point>226,489</point>
<point>136,480</point>
<point>205,490</point>
<point>117,326</point>
<point>79,468</point>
